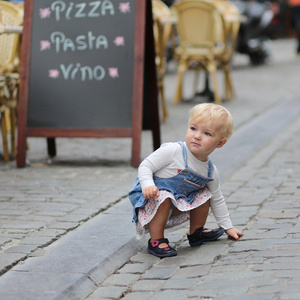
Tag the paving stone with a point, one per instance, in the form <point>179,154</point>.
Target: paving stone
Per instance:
<point>192,271</point>
<point>169,294</point>
<point>5,240</point>
<point>109,292</point>
<point>139,295</point>
<point>24,225</point>
<point>181,283</point>
<point>148,285</point>
<point>160,273</point>
<point>121,279</point>
<point>205,254</point>
<point>11,212</point>
<point>36,240</point>
<point>135,268</point>
<point>21,249</point>
<point>248,297</point>
<point>291,274</point>
<point>276,266</point>
<point>280,289</point>
<point>231,276</point>
<point>143,257</point>
<point>75,218</point>
<point>7,260</point>
<point>232,288</point>
<point>230,268</point>
<point>63,225</point>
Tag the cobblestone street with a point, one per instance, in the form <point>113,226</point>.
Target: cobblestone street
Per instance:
<point>65,223</point>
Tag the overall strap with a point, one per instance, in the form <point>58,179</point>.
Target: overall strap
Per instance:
<point>210,167</point>
<point>184,153</point>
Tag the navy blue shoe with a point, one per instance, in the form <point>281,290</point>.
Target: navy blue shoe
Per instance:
<point>161,252</point>
<point>199,237</point>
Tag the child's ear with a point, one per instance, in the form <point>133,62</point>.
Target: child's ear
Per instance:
<point>222,143</point>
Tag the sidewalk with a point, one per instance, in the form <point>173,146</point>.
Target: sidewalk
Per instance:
<point>59,219</point>
<point>265,264</point>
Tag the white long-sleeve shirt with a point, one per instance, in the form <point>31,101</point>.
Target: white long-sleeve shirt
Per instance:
<point>167,161</point>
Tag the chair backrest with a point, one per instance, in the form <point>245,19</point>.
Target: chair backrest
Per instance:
<point>199,23</point>
<point>10,15</point>
<point>160,9</point>
<point>162,31</point>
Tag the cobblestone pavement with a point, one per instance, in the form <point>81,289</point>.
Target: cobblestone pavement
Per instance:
<point>54,203</point>
<point>264,196</point>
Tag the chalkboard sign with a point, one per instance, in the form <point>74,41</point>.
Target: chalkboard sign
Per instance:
<point>82,71</point>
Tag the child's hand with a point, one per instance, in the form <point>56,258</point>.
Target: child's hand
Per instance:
<point>150,192</point>
<point>234,234</point>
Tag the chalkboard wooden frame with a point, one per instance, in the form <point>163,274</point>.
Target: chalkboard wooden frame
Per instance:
<point>144,58</point>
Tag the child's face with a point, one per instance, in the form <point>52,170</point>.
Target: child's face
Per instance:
<point>203,138</point>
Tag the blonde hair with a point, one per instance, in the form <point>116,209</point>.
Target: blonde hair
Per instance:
<point>213,112</point>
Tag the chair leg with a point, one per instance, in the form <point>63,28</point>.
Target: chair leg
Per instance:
<point>13,89</point>
<point>13,130</point>
<point>196,80</point>
<point>227,87</point>
<point>228,84</point>
<point>7,118</point>
<point>4,138</point>
<point>163,103</point>
<point>178,93</point>
<point>213,73</point>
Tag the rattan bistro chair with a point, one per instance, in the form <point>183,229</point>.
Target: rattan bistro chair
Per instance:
<point>200,28</point>
<point>10,15</point>
<point>232,18</point>
<point>162,29</point>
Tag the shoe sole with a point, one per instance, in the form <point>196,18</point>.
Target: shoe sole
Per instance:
<point>161,255</point>
<point>207,240</point>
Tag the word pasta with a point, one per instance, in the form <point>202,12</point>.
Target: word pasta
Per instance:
<point>81,42</point>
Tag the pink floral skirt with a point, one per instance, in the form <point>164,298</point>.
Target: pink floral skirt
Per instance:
<point>146,213</point>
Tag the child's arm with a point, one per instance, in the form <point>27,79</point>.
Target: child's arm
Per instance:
<point>220,210</point>
<point>234,233</point>
<point>159,160</point>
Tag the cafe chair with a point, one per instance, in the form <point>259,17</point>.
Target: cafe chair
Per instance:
<point>162,29</point>
<point>232,20</point>
<point>10,15</point>
<point>201,31</point>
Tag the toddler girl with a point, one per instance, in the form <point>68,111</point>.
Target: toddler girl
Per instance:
<point>179,182</point>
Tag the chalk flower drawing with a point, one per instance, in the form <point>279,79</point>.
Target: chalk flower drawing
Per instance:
<point>45,45</point>
<point>124,7</point>
<point>119,41</point>
<point>113,72</point>
<point>45,12</point>
<point>53,73</point>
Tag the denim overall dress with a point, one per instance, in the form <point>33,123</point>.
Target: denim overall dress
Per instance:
<point>184,185</point>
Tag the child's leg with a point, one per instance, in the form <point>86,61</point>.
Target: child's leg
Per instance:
<point>198,216</point>
<point>198,234</point>
<point>157,224</point>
